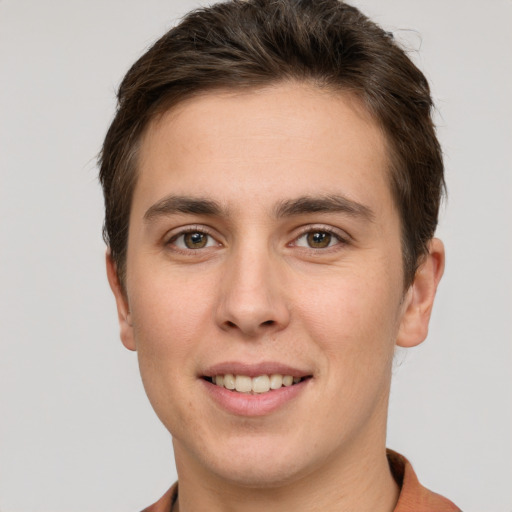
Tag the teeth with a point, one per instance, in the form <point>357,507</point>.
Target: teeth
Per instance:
<point>243,384</point>
<point>287,380</point>
<point>276,381</point>
<point>229,381</point>
<point>259,384</point>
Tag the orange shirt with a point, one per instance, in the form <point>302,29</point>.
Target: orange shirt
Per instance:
<point>413,496</point>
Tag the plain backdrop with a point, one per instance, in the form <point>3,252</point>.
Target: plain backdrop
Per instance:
<point>77,433</point>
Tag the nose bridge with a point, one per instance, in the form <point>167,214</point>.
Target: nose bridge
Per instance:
<point>252,294</point>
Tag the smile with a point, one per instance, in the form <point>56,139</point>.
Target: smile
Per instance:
<point>246,389</point>
<point>254,385</point>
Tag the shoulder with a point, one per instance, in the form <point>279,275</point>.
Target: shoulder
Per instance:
<point>164,504</point>
<point>413,496</point>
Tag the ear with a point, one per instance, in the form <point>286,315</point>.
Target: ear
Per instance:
<point>419,298</point>
<point>123,309</point>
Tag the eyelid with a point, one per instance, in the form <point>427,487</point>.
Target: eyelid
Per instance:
<point>343,237</point>
<point>175,233</point>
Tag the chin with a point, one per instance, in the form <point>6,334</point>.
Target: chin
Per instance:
<point>273,474</point>
<point>260,463</point>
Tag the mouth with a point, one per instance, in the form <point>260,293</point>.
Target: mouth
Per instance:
<point>255,389</point>
<point>257,385</point>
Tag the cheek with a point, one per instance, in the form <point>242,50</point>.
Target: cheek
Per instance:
<point>168,308</point>
<point>353,324</point>
<point>170,319</point>
<point>354,318</point>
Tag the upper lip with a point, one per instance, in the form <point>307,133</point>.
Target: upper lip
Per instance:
<point>253,369</point>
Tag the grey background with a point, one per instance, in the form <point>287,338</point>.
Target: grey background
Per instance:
<point>76,430</point>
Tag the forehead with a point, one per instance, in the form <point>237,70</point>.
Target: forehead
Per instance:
<point>267,144</point>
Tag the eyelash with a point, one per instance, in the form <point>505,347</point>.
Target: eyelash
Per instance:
<point>189,230</point>
<point>339,239</point>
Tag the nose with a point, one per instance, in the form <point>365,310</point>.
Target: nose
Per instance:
<point>251,298</point>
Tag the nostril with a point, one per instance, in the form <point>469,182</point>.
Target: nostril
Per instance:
<point>267,322</point>
<point>250,328</point>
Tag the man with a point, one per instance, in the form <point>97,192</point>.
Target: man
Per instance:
<point>272,181</point>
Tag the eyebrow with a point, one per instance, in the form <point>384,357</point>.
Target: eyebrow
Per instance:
<point>303,205</point>
<point>324,204</point>
<point>182,204</point>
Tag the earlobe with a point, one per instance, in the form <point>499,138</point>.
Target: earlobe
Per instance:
<point>419,299</point>
<point>123,309</point>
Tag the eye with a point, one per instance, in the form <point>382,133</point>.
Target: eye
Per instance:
<point>193,240</point>
<point>318,239</point>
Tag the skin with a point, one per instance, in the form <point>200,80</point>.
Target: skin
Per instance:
<point>258,292</point>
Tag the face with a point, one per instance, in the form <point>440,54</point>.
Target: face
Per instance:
<point>264,247</point>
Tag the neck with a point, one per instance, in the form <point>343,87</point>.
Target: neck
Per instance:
<point>360,481</point>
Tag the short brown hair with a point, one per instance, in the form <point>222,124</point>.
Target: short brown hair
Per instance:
<point>253,43</point>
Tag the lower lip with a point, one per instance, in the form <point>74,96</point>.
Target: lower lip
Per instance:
<point>245,404</point>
